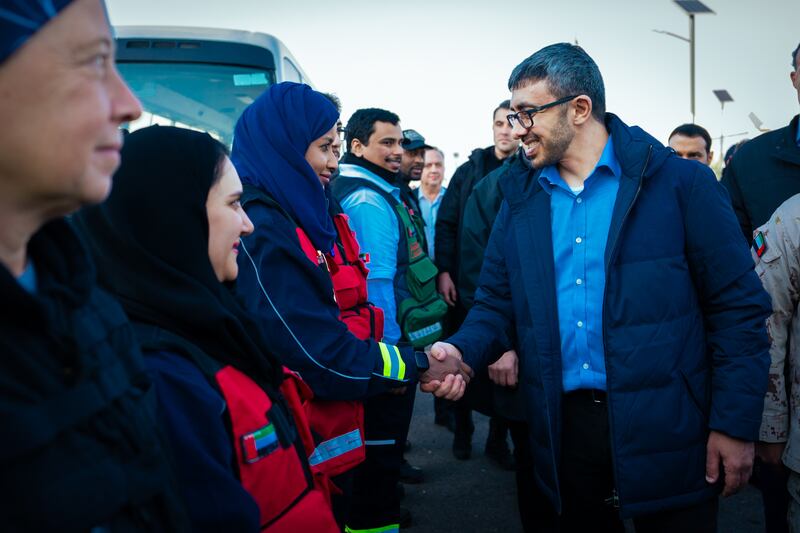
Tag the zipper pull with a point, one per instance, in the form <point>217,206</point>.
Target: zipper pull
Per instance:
<point>613,500</point>
<point>321,261</point>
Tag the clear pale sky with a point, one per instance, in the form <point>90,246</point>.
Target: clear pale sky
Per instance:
<point>444,65</point>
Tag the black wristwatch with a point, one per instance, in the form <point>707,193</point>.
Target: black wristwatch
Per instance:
<point>422,361</point>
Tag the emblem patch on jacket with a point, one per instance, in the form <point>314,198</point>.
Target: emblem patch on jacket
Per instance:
<point>259,444</point>
<point>759,244</point>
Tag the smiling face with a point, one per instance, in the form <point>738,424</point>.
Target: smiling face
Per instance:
<point>547,141</point>
<point>383,148</point>
<point>323,155</point>
<point>62,102</point>
<point>227,222</point>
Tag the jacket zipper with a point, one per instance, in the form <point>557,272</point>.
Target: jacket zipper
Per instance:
<point>614,499</point>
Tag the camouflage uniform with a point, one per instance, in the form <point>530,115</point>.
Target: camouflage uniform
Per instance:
<point>778,267</point>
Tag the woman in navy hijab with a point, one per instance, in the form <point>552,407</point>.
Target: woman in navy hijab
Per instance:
<point>302,278</point>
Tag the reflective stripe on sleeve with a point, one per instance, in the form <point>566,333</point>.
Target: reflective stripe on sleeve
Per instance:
<point>391,528</point>
<point>387,360</point>
<point>401,373</point>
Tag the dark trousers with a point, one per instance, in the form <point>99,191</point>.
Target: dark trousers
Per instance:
<point>771,480</point>
<point>386,421</point>
<point>587,479</point>
<point>532,505</point>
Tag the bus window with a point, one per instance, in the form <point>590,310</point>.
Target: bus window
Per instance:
<point>205,97</point>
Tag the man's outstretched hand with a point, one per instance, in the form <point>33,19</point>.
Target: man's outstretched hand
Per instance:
<point>448,375</point>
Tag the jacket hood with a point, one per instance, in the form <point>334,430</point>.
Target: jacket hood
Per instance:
<point>639,155</point>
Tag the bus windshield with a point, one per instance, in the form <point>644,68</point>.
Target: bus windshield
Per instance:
<point>199,96</point>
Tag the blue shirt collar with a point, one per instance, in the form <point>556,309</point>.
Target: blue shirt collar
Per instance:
<point>550,177</point>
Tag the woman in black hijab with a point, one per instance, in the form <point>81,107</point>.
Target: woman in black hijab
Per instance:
<point>165,243</point>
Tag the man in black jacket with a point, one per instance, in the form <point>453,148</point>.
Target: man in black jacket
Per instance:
<point>448,237</point>
<point>766,171</point>
<point>497,394</point>
<point>79,446</point>
<point>451,213</point>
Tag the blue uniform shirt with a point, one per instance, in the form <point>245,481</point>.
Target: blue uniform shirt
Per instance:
<point>429,210</point>
<point>28,279</point>
<point>580,220</point>
<point>375,224</point>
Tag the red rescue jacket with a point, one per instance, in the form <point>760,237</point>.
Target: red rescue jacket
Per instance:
<point>271,438</point>
<point>348,273</point>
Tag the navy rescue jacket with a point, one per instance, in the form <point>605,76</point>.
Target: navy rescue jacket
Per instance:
<point>686,349</point>
<point>293,301</point>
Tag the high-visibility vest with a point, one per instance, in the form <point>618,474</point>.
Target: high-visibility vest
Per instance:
<point>271,438</point>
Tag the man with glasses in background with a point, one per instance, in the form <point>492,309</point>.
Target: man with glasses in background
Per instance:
<point>643,354</point>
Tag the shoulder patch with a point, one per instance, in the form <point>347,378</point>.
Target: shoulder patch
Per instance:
<point>759,244</point>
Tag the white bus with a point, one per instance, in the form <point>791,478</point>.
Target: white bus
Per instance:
<point>200,78</point>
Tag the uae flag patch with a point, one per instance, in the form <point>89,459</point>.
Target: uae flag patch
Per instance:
<point>259,444</point>
<point>759,244</point>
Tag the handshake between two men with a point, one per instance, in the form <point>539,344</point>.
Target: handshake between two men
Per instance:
<point>448,375</point>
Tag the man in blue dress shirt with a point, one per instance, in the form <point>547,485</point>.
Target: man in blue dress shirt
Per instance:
<point>620,274</point>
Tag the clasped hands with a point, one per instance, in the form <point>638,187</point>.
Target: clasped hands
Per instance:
<point>448,375</point>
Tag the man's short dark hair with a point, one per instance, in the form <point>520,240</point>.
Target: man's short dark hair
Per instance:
<point>568,70</point>
<point>362,124</point>
<point>505,104</point>
<point>692,130</point>
<point>794,57</point>
<point>334,100</point>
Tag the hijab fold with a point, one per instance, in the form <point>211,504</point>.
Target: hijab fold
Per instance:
<point>150,243</point>
<point>269,146</point>
<point>20,19</point>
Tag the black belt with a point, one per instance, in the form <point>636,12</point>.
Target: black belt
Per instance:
<point>591,395</point>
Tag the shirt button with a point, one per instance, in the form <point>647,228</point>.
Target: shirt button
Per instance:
<point>579,240</point>
<point>586,366</point>
<point>578,281</point>
<point>579,199</point>
<point>580,323</point>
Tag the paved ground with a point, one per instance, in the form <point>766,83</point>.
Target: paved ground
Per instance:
<point>475,495</point>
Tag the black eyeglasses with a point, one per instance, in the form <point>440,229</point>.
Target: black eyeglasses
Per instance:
<point>525,117</point>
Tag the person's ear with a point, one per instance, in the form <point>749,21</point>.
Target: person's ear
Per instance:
<point>583,109</point>
<point>357,148</point>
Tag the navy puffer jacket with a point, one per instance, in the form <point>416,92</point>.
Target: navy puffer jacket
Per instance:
<point>684,333</point>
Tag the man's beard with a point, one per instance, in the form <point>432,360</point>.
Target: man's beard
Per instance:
<point>553,149</point>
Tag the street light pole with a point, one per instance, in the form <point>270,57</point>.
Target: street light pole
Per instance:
<point>691,60</point>
<point>691,7</point>
<point>724,97</point>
